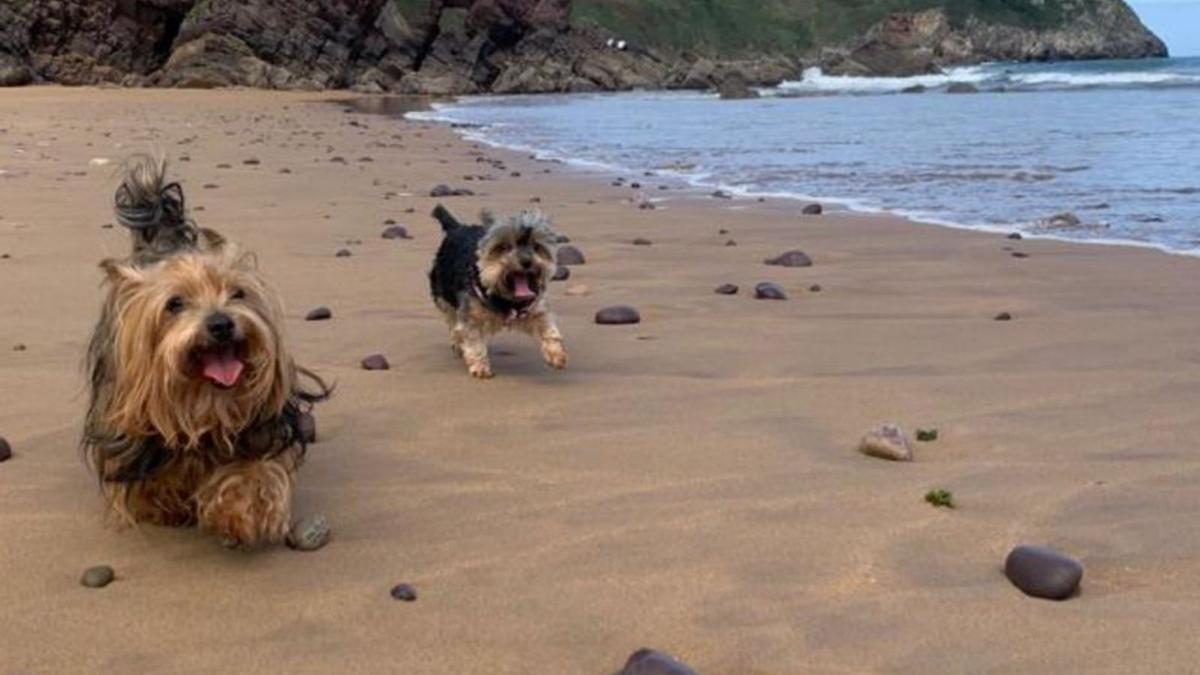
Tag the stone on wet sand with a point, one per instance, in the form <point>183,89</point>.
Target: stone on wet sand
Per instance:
<point>306,425</point>
<point>790,259</point>
<point>726,289</point>
<point>447,191</point>
<point>396,232</point>
<point>769,291</point>
<point>1043,572</point>
<point>570,255</point>
<point>812,210</point>
<point>1003,316</point>
<point>561,273</point>
<point>309,534</point>
<point>375,362</point>
<point>815,288</point>
<point>721,194</point>
<point>319,314</point>
<point>642,242</point>
<point>653,662</point>
<point>887,442</point>
<point>98,576</point>
<point>343,253</point>
<point>618,315</point>
<point>5,450</point>
<point>404,593</point>
<point>1016,236</point>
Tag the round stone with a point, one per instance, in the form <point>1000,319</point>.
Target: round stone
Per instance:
<point>306,425</point>
<point>404,593</point>
<point>569,255</point>
<point>653,662</point>
<point>1043,572</point>
<point>815,288</point>
<point>1016,236</point>
<point>396,232</point>
<point>343,253</point>
<point>1004,316</point>
<point>812,210</point>
<point>642,242</point>
<point>887,442</point>
<point>790,259</point>
<point>98,576</point>
<point>309,534</point>
<point>375,362</point>
<point>561,273</point>
<point>5,450</point>
<point>319,314</point>
<point>726,289</point>
<point>769,291</point>
<point>618,315</point>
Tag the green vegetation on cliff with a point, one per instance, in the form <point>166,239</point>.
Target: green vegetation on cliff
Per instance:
<point>736,27</point>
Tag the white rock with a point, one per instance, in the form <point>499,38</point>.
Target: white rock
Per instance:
<point>887,442</point>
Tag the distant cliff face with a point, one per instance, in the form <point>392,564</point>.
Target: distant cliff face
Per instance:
<point>471,46</point>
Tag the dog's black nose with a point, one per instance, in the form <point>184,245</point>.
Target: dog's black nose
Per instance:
<point>526,262</point>
<point>220,327</point>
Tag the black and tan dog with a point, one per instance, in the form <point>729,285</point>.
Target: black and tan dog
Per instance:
<point>493,277</point>
<point>195,400</point>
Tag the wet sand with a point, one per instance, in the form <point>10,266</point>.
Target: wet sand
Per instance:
<point>689,483</point>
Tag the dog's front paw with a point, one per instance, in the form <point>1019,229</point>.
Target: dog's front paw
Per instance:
<point>247,504</point>
<point>555,354</point>
<point>482,371</point>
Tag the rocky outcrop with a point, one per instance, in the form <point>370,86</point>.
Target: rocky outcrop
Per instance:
<point>915,43</point>
<point>503,46</point>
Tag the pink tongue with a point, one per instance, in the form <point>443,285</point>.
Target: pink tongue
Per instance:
<point>223,367</point>
<point>521,289</point>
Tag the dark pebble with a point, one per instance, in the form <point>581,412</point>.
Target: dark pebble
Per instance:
<point>726,289</point>
<point>722,231</point>
<point>636,186</point>
<point>251,162</point>
<point>337,160</point>
<point>1018,254</point>
<point>618,315</point>
<point>815,288</point>
<point>389,221</point>
<point>404,593</point>
<point>224,166</point>
<point>285,170</point>
<point>210,186</point>
<point>5,450</point>
<point>306,424</point>
<point>731,243</point>
<point>319,314</point>
<point>375,362</point>
<point>812,210</point>
<point>1043,572</point>
<point>790,259</point>
<point>642,242</point>
<point>395,232</point>
<point>647,206</point>
<point>721,194</point>
<point>106,226</point>
<point>515,174</point>
<point>343,253</point>
<point>1004,316</point>
<point>561,273</point>
<point>769,291</point>
<point>98,576</point>
<point>20,347</point>
<point>1016,236</point>
<point>653,662</point>
<point>569,255</point>
<point>447,191</point>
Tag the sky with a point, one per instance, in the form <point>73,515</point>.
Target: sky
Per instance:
<point>1177,22</point>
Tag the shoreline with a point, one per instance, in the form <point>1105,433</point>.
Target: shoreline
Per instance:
<point>477,134</point>
<point>689,484</point>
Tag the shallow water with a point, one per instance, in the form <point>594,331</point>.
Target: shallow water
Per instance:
<point>1115,142</point>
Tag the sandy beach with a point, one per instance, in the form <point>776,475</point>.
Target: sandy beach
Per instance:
<point>689,484</point>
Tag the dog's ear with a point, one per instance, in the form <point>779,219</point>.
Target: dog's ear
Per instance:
<point>212,239</point>
<point>120,273</point>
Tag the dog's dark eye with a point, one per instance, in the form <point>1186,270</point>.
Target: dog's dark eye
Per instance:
<point>503,248</point>
<point>238,294</point>
<point>543,251</point>
<point>175,305</point>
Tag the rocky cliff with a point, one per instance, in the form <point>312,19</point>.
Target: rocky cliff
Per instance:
<point>471,46</point>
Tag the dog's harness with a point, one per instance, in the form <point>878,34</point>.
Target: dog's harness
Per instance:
<point>511,311</point>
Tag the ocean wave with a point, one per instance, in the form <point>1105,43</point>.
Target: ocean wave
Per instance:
<point>994,77</point>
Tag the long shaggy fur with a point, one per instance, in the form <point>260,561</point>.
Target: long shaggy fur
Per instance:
<point>492,277</point>
<point>168,445</point>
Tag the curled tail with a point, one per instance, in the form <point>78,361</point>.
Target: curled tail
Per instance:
<point>153,210</point>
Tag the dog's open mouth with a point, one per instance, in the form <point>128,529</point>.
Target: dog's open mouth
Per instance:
<point>524,288</point>
<point>222,365</point>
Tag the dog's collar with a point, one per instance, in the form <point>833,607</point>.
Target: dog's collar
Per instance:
<point>511,311</point>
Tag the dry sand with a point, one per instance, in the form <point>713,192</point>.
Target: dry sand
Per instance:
<point>690,483</point>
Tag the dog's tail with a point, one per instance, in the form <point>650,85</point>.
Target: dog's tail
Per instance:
<point>152,209</point>
<point>449,222</point>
